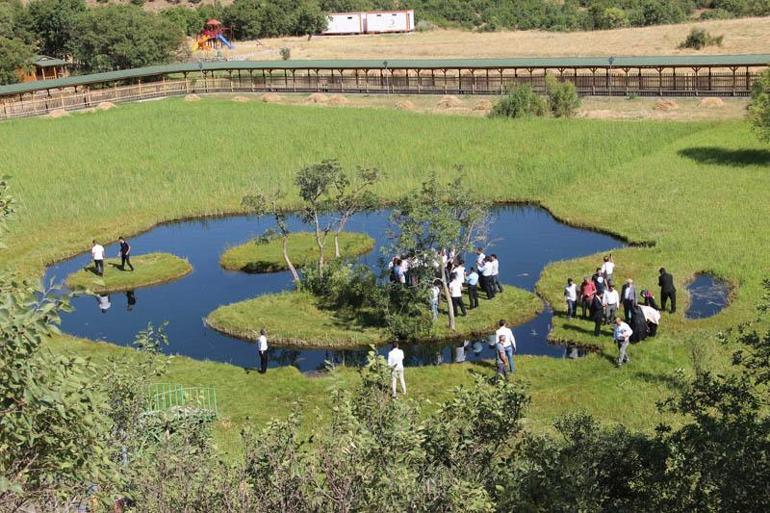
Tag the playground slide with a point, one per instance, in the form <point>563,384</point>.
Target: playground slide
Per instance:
<point>225,41</point>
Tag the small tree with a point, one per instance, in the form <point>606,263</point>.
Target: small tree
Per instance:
<point>759,109</point>
<point>562,97</point>
<point>310,19</point>
<point>698,39</point>
<point>261,203</point>
<point>314,183</point>
<point>15,56</point>
<point>440,216</point>
<point>520,102</point>
<point>351,196</point>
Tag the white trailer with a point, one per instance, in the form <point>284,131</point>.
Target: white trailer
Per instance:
<point>345,23</point>
<point>378,22</point>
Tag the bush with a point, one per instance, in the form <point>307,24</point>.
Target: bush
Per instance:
<point>520,102</point>
<point>285,53</point>
<point>563,99</point>
<point>759,109</point>
<point>698,39</point>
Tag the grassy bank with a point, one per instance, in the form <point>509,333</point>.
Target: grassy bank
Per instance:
<point>257,256</point>
<point>295,319</point>
<point>149,269</point>
<point>696,190</point>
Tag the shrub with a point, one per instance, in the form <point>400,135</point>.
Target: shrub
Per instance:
<point>563,99</point>
<point>285,53</point>
<point>698,39</point>
<point>520,102</point>
<point>759,109</point>
<point>425,26</point>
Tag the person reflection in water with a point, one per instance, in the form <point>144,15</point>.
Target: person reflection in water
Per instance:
<point>130,299</point>
<point>103,301</point>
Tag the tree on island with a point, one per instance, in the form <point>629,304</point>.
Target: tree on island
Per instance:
<point>351,196</point>
<point>261,203</point>
<point>442,216</point>
<point>314,183</point>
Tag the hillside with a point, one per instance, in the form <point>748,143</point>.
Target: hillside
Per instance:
<point>747,35</point>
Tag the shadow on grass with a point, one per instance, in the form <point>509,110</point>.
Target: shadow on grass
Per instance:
<point>726,157</point>
<point>669,381</point>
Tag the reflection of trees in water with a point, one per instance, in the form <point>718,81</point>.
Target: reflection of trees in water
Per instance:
<point>285,356</point>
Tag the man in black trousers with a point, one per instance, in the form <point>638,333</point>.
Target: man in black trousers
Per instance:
<point>667,289</point>
<point>125,254</point>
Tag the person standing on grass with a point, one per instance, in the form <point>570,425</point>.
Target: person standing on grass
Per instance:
<point>501,357</point>
<point>125,254</point>
<point>598,279</point>
<point>608,267</point>
<point>435,293</point>
<point>262,347</point>
<point>622,335</point>
<point>473,288</point>
<point>587,292</point>
<point>667,289</point>
<point>459,269</point>
<point>628,294</point>
<point>597,313</point>
<point>570,295</point>
<point>611,301</point>
<point>495,273</point>
<point>486,277</point>
<point>456,291</point>
<point>396,364</point>
<point>504,335</point>
<point>97,253</point>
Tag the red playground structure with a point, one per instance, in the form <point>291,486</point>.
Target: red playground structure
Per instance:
<point>213,36</point>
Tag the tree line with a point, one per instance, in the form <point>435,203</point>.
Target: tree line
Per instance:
<point>114,37</point>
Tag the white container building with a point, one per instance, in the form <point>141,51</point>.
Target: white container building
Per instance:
<point>375,22</point>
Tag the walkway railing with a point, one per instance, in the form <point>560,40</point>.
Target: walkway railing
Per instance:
<point>166,396</point>
<point>483,82</point>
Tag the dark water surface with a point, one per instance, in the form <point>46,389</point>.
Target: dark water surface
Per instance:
<point>708,296</point>
<point>524,238</point>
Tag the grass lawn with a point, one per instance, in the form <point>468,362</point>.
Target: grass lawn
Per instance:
<point>696,192</point>
<point>149,269</point>
<point>295,319</point>
<point>258,256</point>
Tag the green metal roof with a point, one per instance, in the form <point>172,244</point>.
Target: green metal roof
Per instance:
<point>553,63</point>
<point>43,61</point>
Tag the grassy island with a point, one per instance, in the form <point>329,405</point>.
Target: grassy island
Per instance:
<point>297,319</point>
<point>257,256</point>
<point>150,269</point>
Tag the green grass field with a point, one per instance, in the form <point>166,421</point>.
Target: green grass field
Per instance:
<point>696,192</point>
<point>295,319</point>
<point>257,256</point>
<point>149,269</point>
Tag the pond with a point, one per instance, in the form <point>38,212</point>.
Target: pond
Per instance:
<point>525,238</point>
<point>708,296</point>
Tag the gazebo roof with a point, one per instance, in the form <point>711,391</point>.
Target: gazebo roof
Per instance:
<point>43,61</point>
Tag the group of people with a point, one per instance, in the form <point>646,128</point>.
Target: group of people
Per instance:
<point>97,253</point>
<point>600,301</point>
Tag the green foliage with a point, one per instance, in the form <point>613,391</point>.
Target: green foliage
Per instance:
<point>55,22</point>
<point>309,19</point>
<point>285,53</point>
<point>698,39</point>
<point>563,99</point>
<point>15,56</point>
<point>759,109</point>
<point>124,36</point>
<point>189,20</point>
<point>520,102</point>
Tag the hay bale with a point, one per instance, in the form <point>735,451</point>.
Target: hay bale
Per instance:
<point>241,99</point>
<point>483,105</point>
<point>405,105</point>
<point>666,105</point>
<point>338,100</point>
<point>192,98</point>
<point>105,106</point>
<point>317,98</point>
<point>449,102</point>
<point>89,110</point>
<point>58,113</point>
<point>271,98</point>
<point>710,103</point>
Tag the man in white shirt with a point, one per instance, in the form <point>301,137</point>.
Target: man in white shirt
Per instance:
<point>509,342</point>
<point>104,302</point>
<point>622,335</point>
<point>459,269</point>
<point>262,347</point>
<point>487,280</point>
<point>608,267</point>
<point>495,273</point>
<point>456,291</point>
<point>396,364</point>
<point>611,301</point>
<point>97,252</point>
<point>480,257</point>
<point>570,295</point>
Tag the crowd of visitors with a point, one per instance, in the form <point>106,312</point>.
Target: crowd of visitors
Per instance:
<point>600,301</point>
